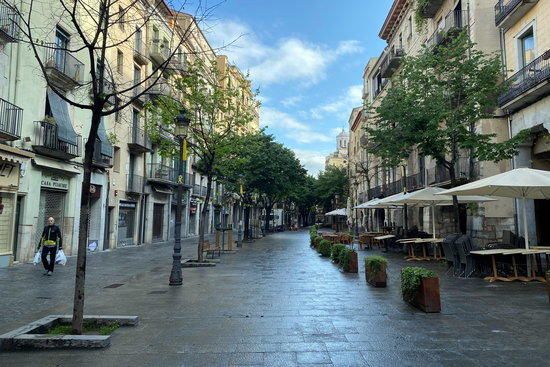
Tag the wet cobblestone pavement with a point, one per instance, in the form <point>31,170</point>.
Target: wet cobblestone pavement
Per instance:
<point>277,303</point>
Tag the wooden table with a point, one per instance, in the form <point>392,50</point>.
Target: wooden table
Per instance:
<point>410,242</point>
<point>384,238</point>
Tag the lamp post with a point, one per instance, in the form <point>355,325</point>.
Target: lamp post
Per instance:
<point>181,127</point>
<point>241,211</point>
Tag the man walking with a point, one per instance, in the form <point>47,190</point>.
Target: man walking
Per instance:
<point>51,238</point>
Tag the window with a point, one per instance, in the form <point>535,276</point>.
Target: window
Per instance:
<point>138,41</point>
<point>401,40</point>
<point>527,47</point>
<point>137,75</point>
<point>410,27</point>
<point>121,17</point>
<point>135,118</point>
<point>120,62</point>
<point>117,113</point>
<point>62,43</point>
<point>116,159</point>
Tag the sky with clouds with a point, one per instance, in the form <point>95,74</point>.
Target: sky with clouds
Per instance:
<point>307,59</point>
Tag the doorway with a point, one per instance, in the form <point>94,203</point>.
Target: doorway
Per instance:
<point>158,219</point>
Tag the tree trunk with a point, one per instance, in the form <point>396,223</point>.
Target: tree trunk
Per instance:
<point>203,218</point>
<point>267,215</point>
<point>80,277</point>
<point>247,223</point>
<point>456,209</point>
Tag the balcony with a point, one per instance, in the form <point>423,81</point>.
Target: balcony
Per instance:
<point>138,141</point>
<point>10,121</point>
<point>375,192</point>
<point>199,190</point>
<point>139,98</point>
<point>527,85</point>
<point>134,184</point>
<point>391,62</point>
<point>394,187</point>
<point>159,51</point>
<point>440,175</point>
<point>453,23</point>
<point>140,52</point>
<point>162,173</point>
<point>9,24</point>
<point>509,12</point>
<point>160,88</point>
<point>415,181</point>
<point>100,160</point>
<point>430,9</point>
<point>46,142</point>
<point>63,69</point>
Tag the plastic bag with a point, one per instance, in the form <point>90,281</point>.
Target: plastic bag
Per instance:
<point>60,258</point>
<point>37,258</point>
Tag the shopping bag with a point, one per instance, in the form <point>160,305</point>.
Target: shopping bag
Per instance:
<point>37,258</point>
<point>60,258</point>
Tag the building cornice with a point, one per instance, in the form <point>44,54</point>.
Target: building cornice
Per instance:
<point>393,19</point>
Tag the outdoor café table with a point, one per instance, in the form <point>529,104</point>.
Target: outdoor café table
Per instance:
<point>409,242</point>
<point>436,243</point>
<point>492,253</point>
<point>330,237</point>
<point>384,238</point>
<point>370,236</point>
<point>534,262</point>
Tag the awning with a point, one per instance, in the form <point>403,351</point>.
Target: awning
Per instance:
<point>106,146</point>
<point>14,155</point>
<point>161,190</point>
<point>60,112</point>
<point>51,164</point>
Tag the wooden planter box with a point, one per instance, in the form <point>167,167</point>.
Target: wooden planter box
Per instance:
<point>377,279</point>
<point>353,263</point>
<point>427,299</point>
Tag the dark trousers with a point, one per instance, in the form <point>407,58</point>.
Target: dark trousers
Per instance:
<point>52,250</point>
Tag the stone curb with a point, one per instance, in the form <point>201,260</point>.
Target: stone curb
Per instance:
<point>24,338</point>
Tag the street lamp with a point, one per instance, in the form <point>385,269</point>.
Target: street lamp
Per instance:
<point>241,212</point>
<point>181,129</point>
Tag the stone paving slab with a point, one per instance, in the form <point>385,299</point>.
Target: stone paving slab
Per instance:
<point>277,303</point>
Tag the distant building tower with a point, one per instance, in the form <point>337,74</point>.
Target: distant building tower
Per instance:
<point>340,157</point>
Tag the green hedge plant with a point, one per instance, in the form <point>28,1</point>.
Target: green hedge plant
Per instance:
<point>336,251</point>
<point>317,240</point>
<point>375,263</point>
<point>345,257</point>
<point>324,248</point>
<point>411,277</point>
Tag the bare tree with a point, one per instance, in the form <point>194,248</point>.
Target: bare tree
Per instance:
<point>99,28</point>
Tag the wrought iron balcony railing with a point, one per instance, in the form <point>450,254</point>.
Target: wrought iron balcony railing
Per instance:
<point>9,23</point>
<point>509,11</point>
<point>63,66</point>
<point>430,8</point>
<point>415,181</point>
<point>134,183</point>
<point>375,192</point>
<point>140,52</point>
<point>10,121</point>
<point>138,141</point>
<point>454,22</point>
<point>162,172</point>
<point>47,142</point>
<point>99,159</point>
<point>464,171</point>
<point>391,61</point>
<point>536,73</point>
<point>158,50</point>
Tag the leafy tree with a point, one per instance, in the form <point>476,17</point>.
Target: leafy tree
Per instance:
<point>216,112</point>
<point>332,182</point>
<point>433,105</point>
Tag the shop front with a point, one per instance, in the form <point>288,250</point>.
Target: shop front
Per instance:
<point>53,196</point>
<point>9,183</point>
<point>126,222</point>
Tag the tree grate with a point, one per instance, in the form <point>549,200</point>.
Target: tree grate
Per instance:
<point>157,292</point>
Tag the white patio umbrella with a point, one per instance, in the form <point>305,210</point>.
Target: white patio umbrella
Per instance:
<point>349,212</point>
<point>429,197</point>
<point>337,212</point>
<point>524,183</point>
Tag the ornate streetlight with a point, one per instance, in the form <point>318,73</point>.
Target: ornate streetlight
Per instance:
<point>180,131</point>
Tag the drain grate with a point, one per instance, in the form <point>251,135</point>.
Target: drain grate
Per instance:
<point>157,292</point>
<point>43,297</point>
<point>115,285</point>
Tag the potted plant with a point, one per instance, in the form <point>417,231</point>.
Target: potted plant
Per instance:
<point>375,271</point>
<point>312,234</point>
<point>348,260</point>
<point>336,251</point>
<point>324,248</point>
<point>316,241</point>
<point>420,288</point>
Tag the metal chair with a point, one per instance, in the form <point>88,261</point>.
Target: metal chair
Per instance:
<point>463,246</point>
<point>451,254</point>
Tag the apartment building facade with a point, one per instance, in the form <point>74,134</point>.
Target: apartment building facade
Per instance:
<point>442,18</point>
<point>525,39</point>
<point>41,144</point>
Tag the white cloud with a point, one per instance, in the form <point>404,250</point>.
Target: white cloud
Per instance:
<point>290,126</point>
<point>340,106</point>
<point>290,59</point>
<point>312,160</point>
<point>291,101</point>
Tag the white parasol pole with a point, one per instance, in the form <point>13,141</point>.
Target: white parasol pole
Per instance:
<point>526,232</point>
<point>433,219</point>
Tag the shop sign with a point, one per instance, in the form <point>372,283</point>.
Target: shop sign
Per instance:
<point>127,204</point>
<point>50,181</point>
<point>9,174</point>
